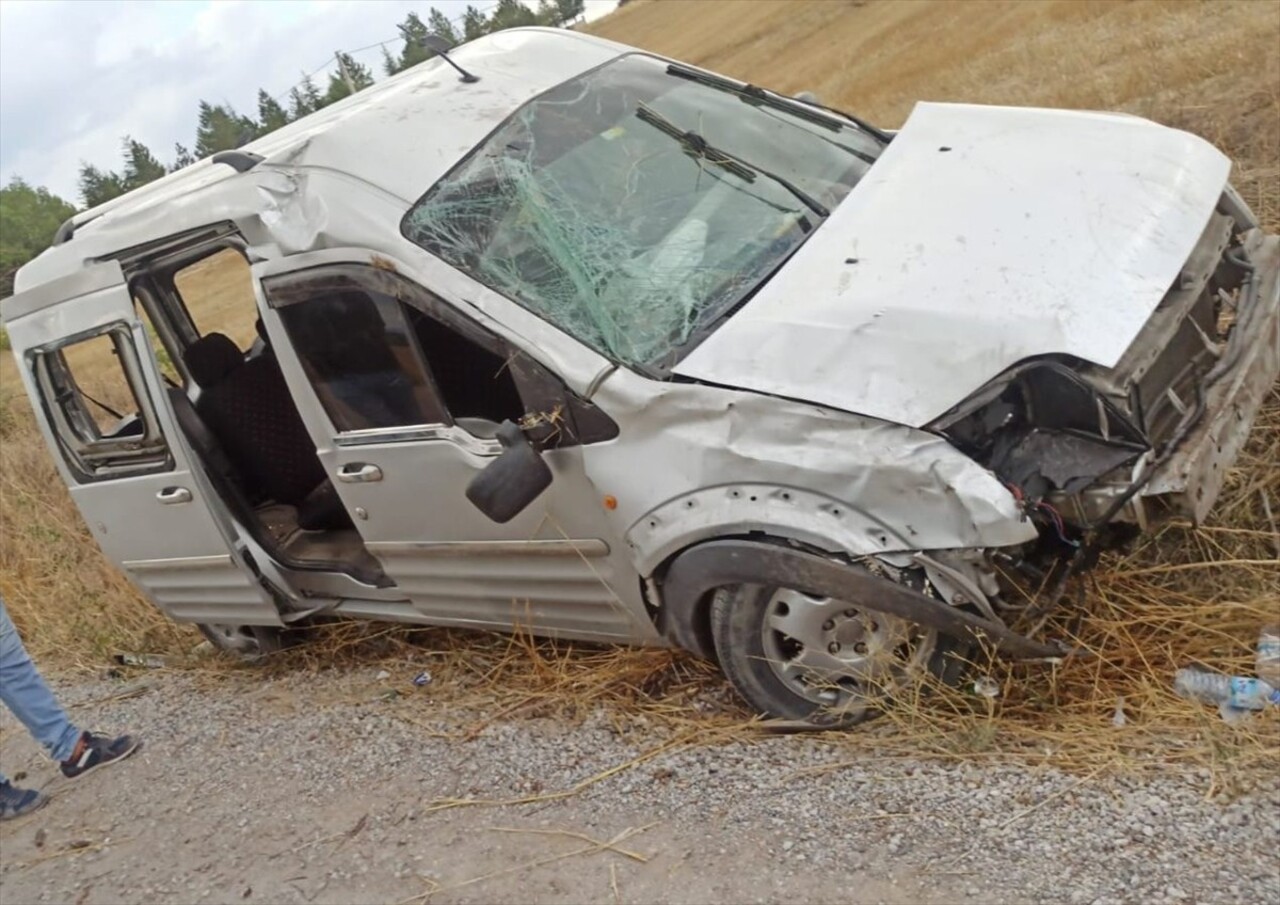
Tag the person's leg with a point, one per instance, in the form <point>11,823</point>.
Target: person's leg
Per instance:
<point>25,693</point>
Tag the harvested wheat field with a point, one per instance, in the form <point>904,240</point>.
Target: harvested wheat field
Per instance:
<point>1187,595</point>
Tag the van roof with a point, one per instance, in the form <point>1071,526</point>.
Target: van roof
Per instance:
<point>396,138</point>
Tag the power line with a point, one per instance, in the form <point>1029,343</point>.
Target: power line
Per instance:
<point>329,61</point>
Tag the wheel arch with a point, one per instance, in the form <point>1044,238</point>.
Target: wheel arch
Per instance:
<point>688,580</point>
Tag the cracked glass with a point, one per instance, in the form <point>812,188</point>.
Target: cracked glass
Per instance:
<point>634,238</point>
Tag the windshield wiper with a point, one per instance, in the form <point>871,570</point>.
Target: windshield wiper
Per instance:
<point>755,94</point>
<point>700,148</point>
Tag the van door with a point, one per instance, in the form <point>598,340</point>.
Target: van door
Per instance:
<point>103,409</point>
<point>403,393</point>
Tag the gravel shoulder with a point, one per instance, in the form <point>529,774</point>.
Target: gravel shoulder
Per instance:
<point>313,788</point>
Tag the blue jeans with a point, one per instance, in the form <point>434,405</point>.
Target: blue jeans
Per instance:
<point>29,699</point>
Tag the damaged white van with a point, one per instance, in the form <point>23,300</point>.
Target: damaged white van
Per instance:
<point>551,334</point>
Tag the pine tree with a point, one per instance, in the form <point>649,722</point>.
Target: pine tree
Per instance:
<point>98,186</point>
<point>548,13</point>
<point>304,98</point>
<point>414,33</point>
<point>359,74</point>
<point>474,24</point>
<point>390,65</point>
<point>570,10</point>
<point>511,14</point>
<point>271,115</point>
<point>140,165</point>
<point>181,157</point>
<point>441,27</point>
<point>220,128</point>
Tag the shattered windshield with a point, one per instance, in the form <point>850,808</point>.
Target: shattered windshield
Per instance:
<point>632,207</point>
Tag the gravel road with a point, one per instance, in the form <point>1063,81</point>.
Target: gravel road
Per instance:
<point>311,788</point>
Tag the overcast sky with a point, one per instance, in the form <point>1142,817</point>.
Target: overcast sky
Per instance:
<point>76,76</point>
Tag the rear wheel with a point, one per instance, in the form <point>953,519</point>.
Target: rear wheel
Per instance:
<point>829,662</point>
<point>250,642</point>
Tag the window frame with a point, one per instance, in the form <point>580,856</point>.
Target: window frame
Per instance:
<point>166,277</point>
<point>297,287</point>
<point>89,456</point>
<point>535,383</point>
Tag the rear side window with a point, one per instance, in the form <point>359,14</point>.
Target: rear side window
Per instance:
<point>356,349</point>
<point>217,292</point>
<point>93,393</point>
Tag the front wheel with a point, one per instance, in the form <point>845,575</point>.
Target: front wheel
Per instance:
<point>827,662</point>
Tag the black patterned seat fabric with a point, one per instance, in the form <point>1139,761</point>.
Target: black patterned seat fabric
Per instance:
<point>211,358</point>
<point>249,409</point>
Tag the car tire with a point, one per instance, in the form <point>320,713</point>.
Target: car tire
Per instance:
<point>738,627</point>
<point>250,643</point>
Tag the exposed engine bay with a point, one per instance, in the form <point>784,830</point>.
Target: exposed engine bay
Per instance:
<point>1080,445</point>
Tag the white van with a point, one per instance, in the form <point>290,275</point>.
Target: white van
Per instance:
<point>556,334</point>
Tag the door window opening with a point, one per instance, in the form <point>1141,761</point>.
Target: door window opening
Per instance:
<point>233,406</point>
<point>93,391</point>
<point>358,351</point>
<point>473,382</point>
<point>217,292</point>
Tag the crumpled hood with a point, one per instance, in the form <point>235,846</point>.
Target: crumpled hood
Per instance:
<point>982,236</point>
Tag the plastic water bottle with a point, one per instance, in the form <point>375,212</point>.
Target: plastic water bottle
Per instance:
<point>1268,662</point>
<point>1230,692</point>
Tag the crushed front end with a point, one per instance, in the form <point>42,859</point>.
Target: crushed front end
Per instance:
<point>1094,452</point>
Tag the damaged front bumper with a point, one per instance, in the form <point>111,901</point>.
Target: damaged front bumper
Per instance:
<point>1189,481</point>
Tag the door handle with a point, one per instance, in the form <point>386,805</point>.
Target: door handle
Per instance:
<point>171,496</point>
<point>359,473</point>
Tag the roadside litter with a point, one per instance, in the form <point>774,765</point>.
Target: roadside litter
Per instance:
<point>1268,657</point>
<point>146,661</point>
<point>986,687</point>
<point>1236,695</point>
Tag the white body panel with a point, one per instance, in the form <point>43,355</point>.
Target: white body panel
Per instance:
<point>981,237</point>
<point>559,568</point>
<point>1034,232</point>
<point>182,553</point>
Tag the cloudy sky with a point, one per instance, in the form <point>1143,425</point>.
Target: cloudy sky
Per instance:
<point>76,76</point>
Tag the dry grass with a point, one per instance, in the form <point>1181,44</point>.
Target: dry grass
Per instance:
<point>1185,596</point>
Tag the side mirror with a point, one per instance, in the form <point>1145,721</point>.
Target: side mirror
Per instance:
<point>509,483</point>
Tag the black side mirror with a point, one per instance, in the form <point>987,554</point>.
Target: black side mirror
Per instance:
<point>509,483</point>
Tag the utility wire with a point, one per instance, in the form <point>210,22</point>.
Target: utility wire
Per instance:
<point>329,61</point>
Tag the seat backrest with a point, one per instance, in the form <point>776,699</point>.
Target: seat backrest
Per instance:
<point>253,414</point>
<point>211,358</point>
<point>198,434</point>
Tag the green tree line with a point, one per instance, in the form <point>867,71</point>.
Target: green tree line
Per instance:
<point>29,215</point>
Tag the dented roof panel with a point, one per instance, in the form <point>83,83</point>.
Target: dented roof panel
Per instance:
<point>982,236</point>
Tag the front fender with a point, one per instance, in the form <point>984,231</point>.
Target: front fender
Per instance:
<point>701,569</point>
<point>729,510</point>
